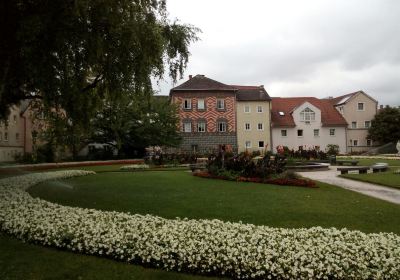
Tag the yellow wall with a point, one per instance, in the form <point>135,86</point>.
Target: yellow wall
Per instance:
<point>254,135</point>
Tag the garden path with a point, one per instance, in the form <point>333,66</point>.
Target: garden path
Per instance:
<point>331,177</point>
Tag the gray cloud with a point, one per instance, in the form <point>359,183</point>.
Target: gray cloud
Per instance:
<point>313,48</point>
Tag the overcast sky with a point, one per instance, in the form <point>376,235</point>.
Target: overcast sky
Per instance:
<point>296,48</point>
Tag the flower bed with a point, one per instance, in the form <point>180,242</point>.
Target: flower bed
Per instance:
<point>200,246</point>
<point>275,181</point>
<point>134,167</point>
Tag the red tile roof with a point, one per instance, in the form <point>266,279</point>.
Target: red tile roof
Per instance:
<point>329,115</point>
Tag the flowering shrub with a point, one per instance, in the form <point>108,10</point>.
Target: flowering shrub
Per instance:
<point>134,167</point>
<point>201,246</point>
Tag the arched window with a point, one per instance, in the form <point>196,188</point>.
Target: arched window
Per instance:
<point>307,115</point>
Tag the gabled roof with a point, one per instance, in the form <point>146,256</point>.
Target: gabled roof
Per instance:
<point>251,93</point>
<point>343,99</point>
<point>286,105</point>
<point>201,82</point>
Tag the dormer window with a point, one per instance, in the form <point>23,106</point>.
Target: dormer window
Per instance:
<point>307,115</point>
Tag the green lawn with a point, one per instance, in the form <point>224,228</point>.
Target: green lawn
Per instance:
<point>178,193</point>
<point>368,161</point>
<point>387,178</point>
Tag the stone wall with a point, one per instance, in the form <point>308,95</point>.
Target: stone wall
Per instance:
<point>207,142</point>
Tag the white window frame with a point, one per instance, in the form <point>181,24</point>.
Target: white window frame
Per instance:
<point>332,132</point>
<point>260,109</point>
<point>316,132</point>
<point>247,109</point>
<point>247,144</point>
<point>201,126</point>
<point>353,124</point>
<point>187,127</point>
<point>358,106</point>
<point>222,124</point>
<point>355,142</point>
<point>201,101</point>
<point>307,115</point>
<point>260,126</point>
<point>187,104</point>
<point>365,124</point>
<point>220,104</point>
<point>247,127</point>
<point>283,130</point>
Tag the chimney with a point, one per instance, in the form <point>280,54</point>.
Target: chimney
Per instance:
<point>190,77</point>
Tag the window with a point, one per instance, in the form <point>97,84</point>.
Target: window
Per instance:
<point>16,136</point>
<point>260,109</point>
<point>307,115</point>
<point>260,126</point>
<point>195,148</point>
<point>316,132</point>
<point>220,104</point>
<point>261,144</point>
<point>187,104</point>
<point>248,144</point>
<point>246,126</point>
<point>367,124</point>
<point>247,109</point>
<point>200,104</point>
<point>355,142</point>
<point>332,132</point>
<point>353,124</point>
<point>187,127</point>
<point>369,142</point>
<point>5,136</point>
<point>15,119</point>
<point>300,132</point>
<point>221,126</point>
<point>283,132</point>
<point>201,126</point>
<point>360,106</point>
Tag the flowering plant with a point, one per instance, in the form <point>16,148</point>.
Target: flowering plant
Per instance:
<point>134,167</point>
<point>201,246</point>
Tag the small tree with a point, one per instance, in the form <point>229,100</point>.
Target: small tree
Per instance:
<point>385,126</point>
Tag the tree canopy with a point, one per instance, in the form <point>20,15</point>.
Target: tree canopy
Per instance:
<point>73,54</point>
<point>385,126</point>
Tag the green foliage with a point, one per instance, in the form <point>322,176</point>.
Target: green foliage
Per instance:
<point>73,54</point>
<point>134,122</point>
<point>332,149</point>
<point>385,126</point>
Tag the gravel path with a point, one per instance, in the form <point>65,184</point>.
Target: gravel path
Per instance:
<point>331,177</point>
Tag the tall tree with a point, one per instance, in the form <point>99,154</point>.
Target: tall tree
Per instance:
<point>385,126</point>
<point>135,122</point>
<point>73,53</point>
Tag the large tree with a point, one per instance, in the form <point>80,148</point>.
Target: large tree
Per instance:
<point>385,126</point>
<point>72,54</point>
<point>134,122</point>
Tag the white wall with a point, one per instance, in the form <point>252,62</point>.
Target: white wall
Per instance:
<point>308,140</point>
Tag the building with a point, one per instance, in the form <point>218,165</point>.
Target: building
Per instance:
<point>253,110</point>
<point>358,109</point>
<point>16,137</point>
<point>307,122</point>
<point>212,114</point>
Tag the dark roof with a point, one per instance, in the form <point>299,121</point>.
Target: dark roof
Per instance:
<point>329,115</point>
<point>201,82</point>
<point>251,93</point>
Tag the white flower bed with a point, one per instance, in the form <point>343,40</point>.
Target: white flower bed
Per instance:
<point>201,246</point>
<point>134,167</point>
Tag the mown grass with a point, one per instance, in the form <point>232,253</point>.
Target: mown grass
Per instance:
<point>388,178</point>
<point>179,194</point>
